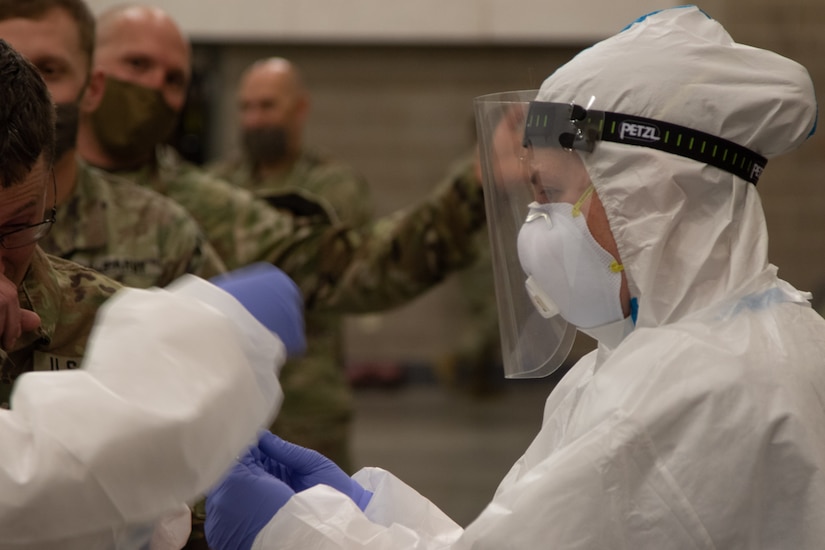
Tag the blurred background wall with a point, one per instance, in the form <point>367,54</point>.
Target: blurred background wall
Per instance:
<point>392,84</point>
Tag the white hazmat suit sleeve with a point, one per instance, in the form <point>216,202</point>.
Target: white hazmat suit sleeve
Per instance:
<point>171,389</point>
<point>397,517</point>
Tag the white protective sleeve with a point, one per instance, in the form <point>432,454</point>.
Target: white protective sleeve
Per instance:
<point>170,391</point>
<point>397,518</point>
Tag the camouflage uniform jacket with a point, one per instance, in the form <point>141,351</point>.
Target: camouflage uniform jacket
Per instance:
<point>389,262</point>
<point>345,191</point>
<point>318,403</point>
<point>66,296</point>
<point>131,234</point>
<point>241,228</point>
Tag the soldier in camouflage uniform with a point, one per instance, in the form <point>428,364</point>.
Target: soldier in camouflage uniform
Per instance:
<point>47,305</point>
<point>131,234</point>
<point>339,269</point>
<point>273,106</point>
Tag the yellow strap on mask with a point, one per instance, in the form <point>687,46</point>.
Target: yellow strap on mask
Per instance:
<point>577,206</point>
<point>615,267</point>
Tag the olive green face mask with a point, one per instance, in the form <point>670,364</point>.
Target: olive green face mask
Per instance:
<point>131,120</point>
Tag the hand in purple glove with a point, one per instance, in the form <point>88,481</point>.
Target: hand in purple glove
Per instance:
<point>242,504</point>
<point>302,468</point>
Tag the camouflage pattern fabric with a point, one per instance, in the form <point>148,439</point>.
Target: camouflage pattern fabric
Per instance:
<point>318,402</point>
<point>398,257</point>
<point>66,296</point>
<point>131,234</point>
<point>241,228</point>
<point>386,264</point>
<point>345,191</point>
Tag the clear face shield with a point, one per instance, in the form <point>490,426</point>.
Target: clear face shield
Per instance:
<point>534,343</point>
<point>551,274</point>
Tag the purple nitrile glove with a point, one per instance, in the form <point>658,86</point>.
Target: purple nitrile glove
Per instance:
<point>242,503</point>
<point>302,468</point>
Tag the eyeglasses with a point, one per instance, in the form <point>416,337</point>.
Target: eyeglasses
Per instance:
<point>28,234</point>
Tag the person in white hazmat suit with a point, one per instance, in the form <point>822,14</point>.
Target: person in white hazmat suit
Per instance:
<point>108,455</point>
<point>698,421</point>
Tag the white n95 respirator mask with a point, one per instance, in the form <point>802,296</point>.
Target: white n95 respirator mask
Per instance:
<point>568,272</point>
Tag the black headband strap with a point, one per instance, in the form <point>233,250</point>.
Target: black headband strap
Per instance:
<point>686,142</point>
<point>573,127</point>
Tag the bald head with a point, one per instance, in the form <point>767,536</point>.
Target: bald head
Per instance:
<point>272,97</point>
<point>277,72</point>
<point>144,45</point>
<point>271,90</point>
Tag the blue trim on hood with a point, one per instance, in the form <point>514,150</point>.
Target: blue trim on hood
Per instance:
<point>645,16</point>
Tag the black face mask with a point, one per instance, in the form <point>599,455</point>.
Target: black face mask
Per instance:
<point>265,145</point>
<point>65,128</point>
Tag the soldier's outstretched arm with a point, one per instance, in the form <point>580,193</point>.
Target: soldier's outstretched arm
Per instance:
<point>397,257</point>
